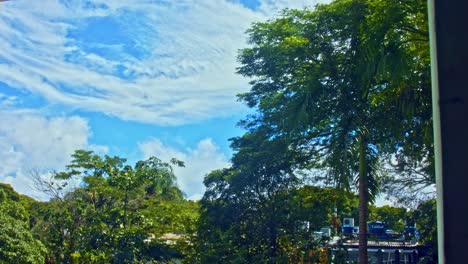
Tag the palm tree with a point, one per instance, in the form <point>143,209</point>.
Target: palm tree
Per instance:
<point>330,80</point>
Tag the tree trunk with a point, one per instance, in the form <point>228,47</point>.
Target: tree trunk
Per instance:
<point>363,200</point>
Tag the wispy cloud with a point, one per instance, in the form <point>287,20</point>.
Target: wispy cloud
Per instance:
<point>161,62</point>
<point>164,63</point>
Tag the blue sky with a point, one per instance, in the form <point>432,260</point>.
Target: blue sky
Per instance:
<point>128,78</point>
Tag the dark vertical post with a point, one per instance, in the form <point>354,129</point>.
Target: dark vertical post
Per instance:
<point>414,257</point>
<point>448,22</point>
<point>379,256</point>
<point>397,256</point>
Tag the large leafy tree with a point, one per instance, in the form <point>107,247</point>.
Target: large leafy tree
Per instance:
<point>256,211</point>
<point>119,214</point>
<point>397,45</point>
<point>248,195</point>
<point>394,217</point>
<point>329,80</point>
<point>17,243</point>
<point>425,217</point>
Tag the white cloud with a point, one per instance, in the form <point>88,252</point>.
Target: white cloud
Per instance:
<point>164,62</point>
<point>29,141</point>
<point>199,161</point>
<point>270,7</point>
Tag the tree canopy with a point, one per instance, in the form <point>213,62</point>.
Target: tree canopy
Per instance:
<point>16,240</point>
<point>119,214</point>
<point>334,82</point>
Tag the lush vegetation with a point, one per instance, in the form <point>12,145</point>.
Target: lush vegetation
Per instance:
<point>17,243</point>
<point>162,229</point>
<point>257,211</point>
<point>341,100</point>
<point>346,87</point>
<point>119,214</point>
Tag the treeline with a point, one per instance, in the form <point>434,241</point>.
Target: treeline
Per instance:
<point>341,99</point>
<point>95,223</point>
<point>117,214</point>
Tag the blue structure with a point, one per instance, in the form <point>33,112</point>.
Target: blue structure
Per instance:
<point>378,231</point>
<point>384,244</point>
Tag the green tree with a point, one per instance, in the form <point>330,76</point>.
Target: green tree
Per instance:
<point>249,194</point>
<point>118,214</point>
<point>394,217</point>
<point>316,205</point>
<point>235,229</point>
<point>16,241</point>
<point>255,211</point>
<point>325,80</point>
<point>425,217</point>
<point>398,47</point>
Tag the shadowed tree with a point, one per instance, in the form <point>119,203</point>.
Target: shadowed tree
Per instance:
<point>243,208</point>
<point>330,82</point>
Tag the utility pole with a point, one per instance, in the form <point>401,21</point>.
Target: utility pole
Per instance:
<point>449,70</point>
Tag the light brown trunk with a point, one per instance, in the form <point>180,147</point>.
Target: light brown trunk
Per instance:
<point>363,200</point>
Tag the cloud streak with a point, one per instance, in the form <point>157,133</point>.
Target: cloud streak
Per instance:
<point>164,62</point>
<point>174,65</point>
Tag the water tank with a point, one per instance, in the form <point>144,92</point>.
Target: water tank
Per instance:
<point>348,222</point>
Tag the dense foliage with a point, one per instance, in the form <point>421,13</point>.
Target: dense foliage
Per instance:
<point>425,217</point>
<point>119,214</point>
<point>394,217</point>
<point>278,230</point>
<point>347,86</point>
<point>17,244</point>
<point>274,225</point>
